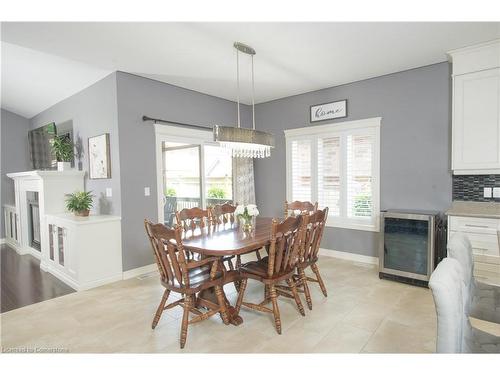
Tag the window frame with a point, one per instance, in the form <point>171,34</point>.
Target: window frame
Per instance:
<point>341,129</point>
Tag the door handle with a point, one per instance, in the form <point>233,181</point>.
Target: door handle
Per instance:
<point>477,226</point>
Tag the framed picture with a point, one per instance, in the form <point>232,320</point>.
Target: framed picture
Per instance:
<point>328,111</point>
<point>99,159</point>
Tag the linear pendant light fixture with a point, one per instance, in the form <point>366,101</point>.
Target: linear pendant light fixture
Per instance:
<point>244,142</point>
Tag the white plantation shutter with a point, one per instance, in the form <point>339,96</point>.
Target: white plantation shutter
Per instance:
<point>329,174</point>
<point>359,175</point>
<point>337,165</point>
<point>301,170</point>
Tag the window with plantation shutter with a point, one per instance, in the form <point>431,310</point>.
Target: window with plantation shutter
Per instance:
<point>359,175</point>
<point>337,165</point>
<point>301,170</point>
<point>329,174</point>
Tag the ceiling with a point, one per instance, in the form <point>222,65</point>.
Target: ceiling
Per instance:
<point>59,59</point>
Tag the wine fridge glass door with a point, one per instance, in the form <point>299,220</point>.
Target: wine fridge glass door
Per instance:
<point>406,245</point>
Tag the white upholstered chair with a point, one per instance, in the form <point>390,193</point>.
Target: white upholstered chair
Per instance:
<point>483,300</point>
<point>445,283</point>
<point>454,332</point>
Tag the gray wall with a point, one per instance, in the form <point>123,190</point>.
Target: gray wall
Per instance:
<point>415,146</point>
<point>139,96</point>
<point>14,155</point>
<point>92,111</point>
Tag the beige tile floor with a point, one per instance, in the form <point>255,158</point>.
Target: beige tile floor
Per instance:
<point>361,314</point>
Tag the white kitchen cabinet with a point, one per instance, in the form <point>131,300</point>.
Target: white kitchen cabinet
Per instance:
<point>84,252</point>
<point>476,109</point>
<point>484,235</point>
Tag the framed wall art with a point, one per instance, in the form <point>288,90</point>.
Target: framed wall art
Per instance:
<point>328,111</point>
<point>99,157</point>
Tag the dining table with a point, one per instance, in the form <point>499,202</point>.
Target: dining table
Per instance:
<point>225,240</point>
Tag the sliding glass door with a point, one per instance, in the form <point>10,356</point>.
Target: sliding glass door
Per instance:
<point>192,171</point>
<point>181,178</point>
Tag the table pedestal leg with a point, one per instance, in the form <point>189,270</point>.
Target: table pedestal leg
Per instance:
<point>208,298</point>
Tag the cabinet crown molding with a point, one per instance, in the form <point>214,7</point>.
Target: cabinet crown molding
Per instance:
<point>475,58</point>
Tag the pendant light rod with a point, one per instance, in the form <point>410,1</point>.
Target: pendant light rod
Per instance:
<point>238,84</point>
<point>253,98</point>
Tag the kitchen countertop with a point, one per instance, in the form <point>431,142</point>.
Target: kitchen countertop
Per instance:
<point>475,209</point>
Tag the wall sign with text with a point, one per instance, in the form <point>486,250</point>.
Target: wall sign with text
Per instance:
<point>328,111</point>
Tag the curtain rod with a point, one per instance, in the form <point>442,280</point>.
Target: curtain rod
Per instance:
<point>175,123</point>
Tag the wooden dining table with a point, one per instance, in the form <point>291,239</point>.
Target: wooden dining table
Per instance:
<point>225,240</point>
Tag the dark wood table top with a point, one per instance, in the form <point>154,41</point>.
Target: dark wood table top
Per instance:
<point>228,239</point>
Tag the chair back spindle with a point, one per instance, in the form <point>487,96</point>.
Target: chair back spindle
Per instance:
<point>303,207</point>
<point>314,227</point>
<point>223,214</point>
<point>169,253</point>
<point>194,218</point>
<point>284,250</point>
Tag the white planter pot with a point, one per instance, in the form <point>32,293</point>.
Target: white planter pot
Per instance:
<point>63,166</point>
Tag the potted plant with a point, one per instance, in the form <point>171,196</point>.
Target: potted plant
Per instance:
<point>63,151</point>
<point>79,203</point>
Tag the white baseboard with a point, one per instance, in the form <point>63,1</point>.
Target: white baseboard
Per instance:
<point>73,283</point>
<point>348,256</point>
<point>134,272</point>
<point>60,275</point>
<point>100,282</point>
<point>2,241</point>
<point>17,247</point>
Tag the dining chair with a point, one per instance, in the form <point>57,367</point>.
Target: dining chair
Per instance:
<point>484,299</point>
<point>304,207</point>
<point>278,266</point>
<point>180,275</point>
<point>223,214</point>
<point>194,218</point>
<point>455,334</point>
<point>191,219</point>
<point>314,225</point>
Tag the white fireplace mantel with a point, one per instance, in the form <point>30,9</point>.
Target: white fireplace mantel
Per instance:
<point>52,188</point>
<point>45,174</point>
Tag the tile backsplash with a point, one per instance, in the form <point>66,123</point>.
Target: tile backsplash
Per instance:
<point>470,187</point>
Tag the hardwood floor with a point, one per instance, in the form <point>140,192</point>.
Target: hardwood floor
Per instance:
<point>23,283</point>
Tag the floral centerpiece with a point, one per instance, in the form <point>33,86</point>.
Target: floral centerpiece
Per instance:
<point>246,215</point>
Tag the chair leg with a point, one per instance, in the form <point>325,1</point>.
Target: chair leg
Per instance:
<point>231,268</point>
<point>160,308</point>
<point>296,297</point>
<point>237,283</point>
<point>258,255</point>
<point>276,310</point>
<point>185,319</point>
<point>303,280</point>
<point>315,269</point>
<point>222,304</point>
<point>243,285</point>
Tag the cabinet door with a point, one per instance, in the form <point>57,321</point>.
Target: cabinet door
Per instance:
<point>476,123</point>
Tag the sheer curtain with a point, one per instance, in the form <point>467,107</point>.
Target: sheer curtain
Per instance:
<point>243,181</point>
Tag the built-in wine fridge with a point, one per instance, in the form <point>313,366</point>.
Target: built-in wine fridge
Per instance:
<point>411,245</point>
